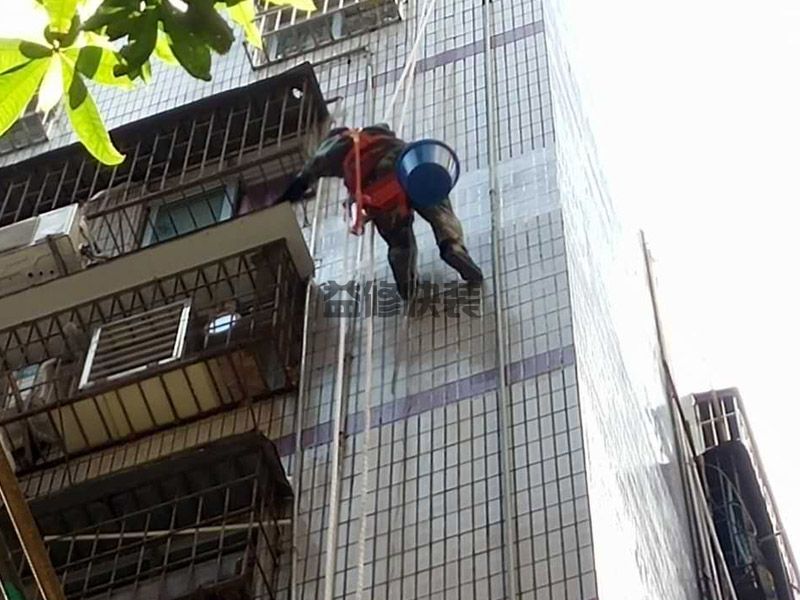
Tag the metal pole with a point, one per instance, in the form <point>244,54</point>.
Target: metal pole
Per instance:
<point>695,482</point>
<point>511,571</point>
<point>28,534</point>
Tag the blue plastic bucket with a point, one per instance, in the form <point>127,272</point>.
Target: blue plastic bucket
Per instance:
<point>428,170</point>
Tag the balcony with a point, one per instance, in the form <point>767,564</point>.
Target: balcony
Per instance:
<point>188,169</point>
<point>166,351</point>
<point>205,524</point>
<point>287,32</point>
<point>756,550</point>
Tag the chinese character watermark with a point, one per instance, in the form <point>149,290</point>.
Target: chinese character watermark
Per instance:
<point>381,299</point>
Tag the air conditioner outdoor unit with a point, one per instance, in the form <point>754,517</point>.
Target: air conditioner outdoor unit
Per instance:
<point>40,248</point>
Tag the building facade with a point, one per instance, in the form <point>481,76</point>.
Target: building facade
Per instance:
<point>210,396</point>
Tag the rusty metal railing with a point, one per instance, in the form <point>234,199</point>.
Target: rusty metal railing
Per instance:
<point>241,343</point>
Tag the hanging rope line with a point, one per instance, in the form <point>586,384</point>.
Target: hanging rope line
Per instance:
<point>410,66</point>
<point>336,443</point>
<point>368,275</point>
<point>365,448</point>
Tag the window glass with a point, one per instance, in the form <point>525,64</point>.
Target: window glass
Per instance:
<point>24,379</point>
<point>186,215</point>
<point>222,323</point>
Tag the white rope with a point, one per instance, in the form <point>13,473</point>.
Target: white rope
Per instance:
<point>365,448</point>
<point>332,533</point>
<point>297,471</point>
<point>321,198</point>
<point>408,71</point>
<point>336,437</point>
<point>411,63</point>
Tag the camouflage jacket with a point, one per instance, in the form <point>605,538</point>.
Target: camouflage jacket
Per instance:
<point>328,159</point>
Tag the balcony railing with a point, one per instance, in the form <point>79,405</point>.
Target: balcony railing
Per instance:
<point>287,32</point>
<point>162,353</point>
<point>206,523</point>
<point>733,468</point>
<point>191,168</point>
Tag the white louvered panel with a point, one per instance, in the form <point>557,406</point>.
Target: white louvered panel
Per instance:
<point>134,343</point>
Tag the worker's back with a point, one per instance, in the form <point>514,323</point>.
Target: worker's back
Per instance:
<point>329,158</point>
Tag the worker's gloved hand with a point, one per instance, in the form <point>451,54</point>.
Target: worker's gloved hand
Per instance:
<point>295,190</point>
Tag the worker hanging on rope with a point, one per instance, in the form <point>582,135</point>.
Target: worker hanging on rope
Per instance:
<point>386,184</point>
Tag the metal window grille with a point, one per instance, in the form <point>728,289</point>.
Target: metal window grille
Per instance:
<point>720,419</point>
<point>241,342</point>
<point>171,219</point>
<point>288,32</point>
<point>210,522</point>
<point>256,135</point>
<point>726,446</point>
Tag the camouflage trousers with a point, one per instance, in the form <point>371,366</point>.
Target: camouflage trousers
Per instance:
<point>397,231</point>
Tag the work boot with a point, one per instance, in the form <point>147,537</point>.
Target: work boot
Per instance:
<point>457,257</point>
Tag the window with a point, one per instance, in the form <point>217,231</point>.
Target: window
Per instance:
<point>179,217</point>
<point>24,379</point>
<point>288,32</point>
<point>222,324</point>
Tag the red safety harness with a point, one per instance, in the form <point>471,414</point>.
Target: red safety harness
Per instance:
<point>385,194</point>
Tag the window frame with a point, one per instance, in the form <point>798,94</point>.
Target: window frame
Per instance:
<point>231,189</point>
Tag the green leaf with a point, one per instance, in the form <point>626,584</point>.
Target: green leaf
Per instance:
<point>243,13</point>
<point>61,13</point>
<point>32,50</point>
<point>193,56</point>
<point>147,72</point>
<point>51,88</point>
<point>163,51</point>
<point>141,41</point>
<point>108,12</point>
<point>191,52</point>
<point>85,118</point>
<point>98,65</point>
<point>10,55</point>
<point>89,38</point>
<point>206,24</point>
<point>17,88</point>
